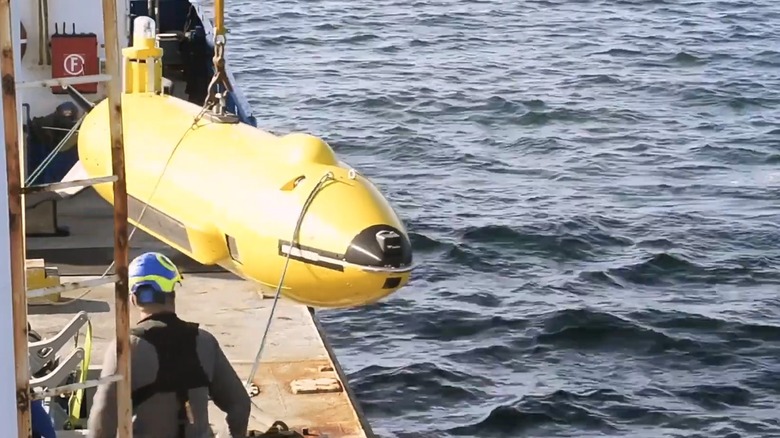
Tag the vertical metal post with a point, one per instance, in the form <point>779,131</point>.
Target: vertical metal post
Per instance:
<point>8,406</point>
<point>219,17</point>
<point>113,65</point>
<point>15,220</point>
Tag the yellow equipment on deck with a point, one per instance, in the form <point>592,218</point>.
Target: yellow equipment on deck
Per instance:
<point>230,194</point>
<point>40,276</point>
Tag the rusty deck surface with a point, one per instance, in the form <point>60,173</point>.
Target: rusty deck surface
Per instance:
<point>298,368</point>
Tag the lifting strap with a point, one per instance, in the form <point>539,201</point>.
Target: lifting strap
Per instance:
<point>179,367</point>
<point>77,398</point>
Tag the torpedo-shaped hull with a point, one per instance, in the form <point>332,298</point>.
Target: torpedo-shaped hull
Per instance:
<point>231,194</point>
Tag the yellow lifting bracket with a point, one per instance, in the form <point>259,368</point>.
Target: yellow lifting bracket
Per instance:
<point>215,102</point>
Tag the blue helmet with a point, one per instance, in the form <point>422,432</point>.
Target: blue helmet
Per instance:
<point>151,275</point>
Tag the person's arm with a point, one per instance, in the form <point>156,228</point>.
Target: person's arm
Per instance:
<point>102,421</point>
<point>229,395</point>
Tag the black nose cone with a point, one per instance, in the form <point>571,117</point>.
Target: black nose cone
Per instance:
<point>381,246</point>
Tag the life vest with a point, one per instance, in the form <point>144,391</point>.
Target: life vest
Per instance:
<point>179,365</point>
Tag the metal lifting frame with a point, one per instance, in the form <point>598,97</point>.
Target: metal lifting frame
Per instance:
<point>16,191</point>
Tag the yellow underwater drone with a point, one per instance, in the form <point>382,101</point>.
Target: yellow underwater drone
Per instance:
<point>227,193</point>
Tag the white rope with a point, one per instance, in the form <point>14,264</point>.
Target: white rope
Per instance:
<point>258,356</point>
<point>49,158</point>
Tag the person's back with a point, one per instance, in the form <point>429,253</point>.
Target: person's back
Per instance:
<point>158,416</point>
<point>176,367</point>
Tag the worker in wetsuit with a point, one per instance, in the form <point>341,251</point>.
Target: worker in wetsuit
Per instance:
<point>175,366</point>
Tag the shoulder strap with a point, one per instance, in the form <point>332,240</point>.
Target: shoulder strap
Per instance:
<point>140,395</point>
<point>143,327</point>
<point>143,393</point>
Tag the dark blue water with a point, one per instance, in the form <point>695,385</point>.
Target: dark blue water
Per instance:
<point>592,189</point>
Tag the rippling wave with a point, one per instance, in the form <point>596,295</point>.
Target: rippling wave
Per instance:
<point>591,191</point>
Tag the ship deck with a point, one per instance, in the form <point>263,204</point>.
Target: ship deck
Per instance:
<point>296,353</point>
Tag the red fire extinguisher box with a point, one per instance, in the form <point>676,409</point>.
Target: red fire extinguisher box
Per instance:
<point>75,55</point>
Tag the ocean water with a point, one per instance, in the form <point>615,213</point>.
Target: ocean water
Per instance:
<point>592,190</point>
